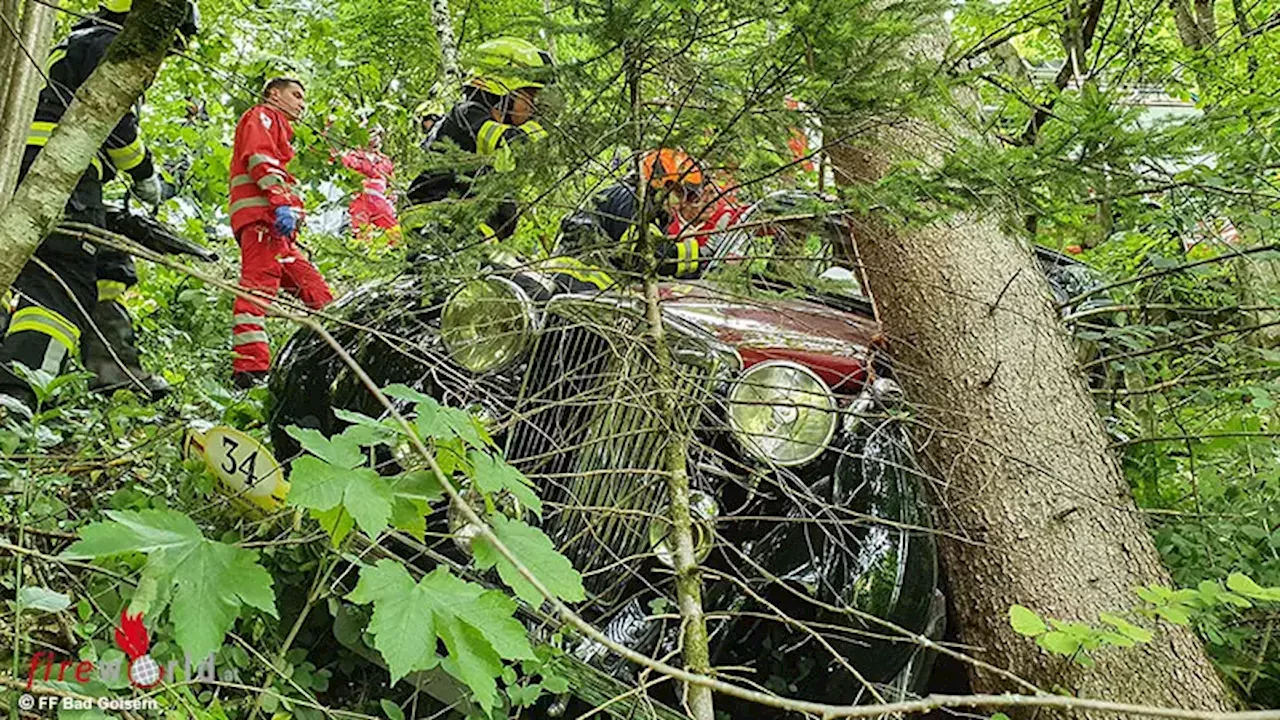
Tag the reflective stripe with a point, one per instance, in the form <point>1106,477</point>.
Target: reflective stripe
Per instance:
<point>687,257</point>
<point>58,54</point>
<point>579,270</point>
<point>45,322</point>
<point>109,290</point>
<point>534,130</point>
<point>40,132</point>
<point>248,319</point>
<point>489,136</point>
<point>128,157</point>
<point>269,180</point>
<point>251,202</point>
<point>257,159</point>
<point>249,338</point>
<point>239,180</point>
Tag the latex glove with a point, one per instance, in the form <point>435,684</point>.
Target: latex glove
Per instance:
<point>150,189</point>
<point>288,218</point>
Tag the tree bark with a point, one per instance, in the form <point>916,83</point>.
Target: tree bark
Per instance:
<point>24,82</point>
<point>128,68</point>
<point>443,21</point>
<point>1022,460</point>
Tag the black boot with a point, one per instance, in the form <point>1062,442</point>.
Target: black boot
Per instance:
<point>116,326</point>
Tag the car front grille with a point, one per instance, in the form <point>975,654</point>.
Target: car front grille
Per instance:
<point>590,434</point>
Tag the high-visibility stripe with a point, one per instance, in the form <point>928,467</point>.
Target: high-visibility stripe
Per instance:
<point>270,180</point>
<point>489,136</point>
<point>109,290</point>
<point>240,180</point>
<point>54,57</point>
<point>250,202</point>
<point>40,132</point>
<point>45,322</point>
<point>687,257</point>
<point>249,338</point>
<point>248,319</point>
<point>579,270</point>
<point>257,159</point>
<point>534,130</point>
<point>128,157</point>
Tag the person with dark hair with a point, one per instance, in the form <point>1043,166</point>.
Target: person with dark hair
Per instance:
<point>74,291</point>
<point>266,213</point>
<point>495,114</point>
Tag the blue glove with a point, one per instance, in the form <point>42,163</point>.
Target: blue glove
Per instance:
<point>287,220</point>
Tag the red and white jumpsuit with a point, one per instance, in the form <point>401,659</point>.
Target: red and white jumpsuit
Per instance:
<point>375,205</point>
<point>268,261</point>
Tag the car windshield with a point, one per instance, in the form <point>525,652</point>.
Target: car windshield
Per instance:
<point>793,240</point>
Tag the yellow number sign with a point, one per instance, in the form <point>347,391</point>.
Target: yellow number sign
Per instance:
<point>246,468</point>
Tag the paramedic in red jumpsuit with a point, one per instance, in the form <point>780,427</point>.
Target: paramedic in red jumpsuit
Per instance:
<point>266,211</point>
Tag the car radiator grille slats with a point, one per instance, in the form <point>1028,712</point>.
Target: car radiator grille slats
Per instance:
<point>590,435</point>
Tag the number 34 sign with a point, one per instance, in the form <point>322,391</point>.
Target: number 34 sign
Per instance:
<point>247,469</point>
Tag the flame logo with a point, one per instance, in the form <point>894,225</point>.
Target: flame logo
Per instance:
<point>131,636</point>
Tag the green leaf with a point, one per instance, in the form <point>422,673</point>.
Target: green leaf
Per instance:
<point>1026,622</point>
<point>400,391</point>
<point>211,581</point>
<point>476,625</point>
<point>536,551</point>
<point>1058,643</point>
<point>391,710</point>
<point>43,599</point>
<point>341,451</point>
<point>1245,586</point>
<point>361,491</point>
<point>1176,614</point>
<point>335,521</point>
<point>438,421</point>
<point>1126,628</point>
<point>493,475</point>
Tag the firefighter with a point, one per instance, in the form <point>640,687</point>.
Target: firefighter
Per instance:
<point>606,233</point>
<point>495,114</point>
<point>266,213</point>
<point>51,324</point>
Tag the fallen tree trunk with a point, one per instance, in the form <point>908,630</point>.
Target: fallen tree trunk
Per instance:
<point>130,65</point>
<point>1026,472</point>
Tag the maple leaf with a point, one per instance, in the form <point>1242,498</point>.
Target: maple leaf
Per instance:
<point>476,626</point>
<point>210,581</point>
<point>536,552</point>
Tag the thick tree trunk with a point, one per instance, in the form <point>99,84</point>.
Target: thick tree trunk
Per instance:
<point>1026,469</point>
<point>24,81</point>
<point>129,67</point>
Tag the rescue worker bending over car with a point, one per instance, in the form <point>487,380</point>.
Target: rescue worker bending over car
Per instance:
<point>607,232</point>
<point>51,324</point>
<point>495,114</point>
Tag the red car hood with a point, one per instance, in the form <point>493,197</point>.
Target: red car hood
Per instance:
<point>833,343</point>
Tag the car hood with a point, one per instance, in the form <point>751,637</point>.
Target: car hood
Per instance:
<point>832,342</point>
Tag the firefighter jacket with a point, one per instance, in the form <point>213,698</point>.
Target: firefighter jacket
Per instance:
<point>259,181</point>
<point>612,223</point>
<point>469,127</point>
<point>70,64</point>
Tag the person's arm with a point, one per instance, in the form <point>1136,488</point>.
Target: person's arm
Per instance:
<point>495,140</point>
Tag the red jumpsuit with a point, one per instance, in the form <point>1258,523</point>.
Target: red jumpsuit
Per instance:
<point>375,205</point>
<point>268,260</point>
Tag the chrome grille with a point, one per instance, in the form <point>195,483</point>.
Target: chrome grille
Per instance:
<point>591,435</point>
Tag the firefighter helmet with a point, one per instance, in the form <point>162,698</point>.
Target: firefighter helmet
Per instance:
<point>506,64</point>
<point>666,166</point>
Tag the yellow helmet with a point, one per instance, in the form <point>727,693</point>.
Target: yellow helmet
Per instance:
<point>506,64</point>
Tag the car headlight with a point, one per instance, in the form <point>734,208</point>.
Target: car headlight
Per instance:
<point>782,412</point>
<point>487,324</point>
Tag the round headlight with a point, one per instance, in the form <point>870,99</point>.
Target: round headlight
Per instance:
<point>782,412</point>
<point>487,324</point>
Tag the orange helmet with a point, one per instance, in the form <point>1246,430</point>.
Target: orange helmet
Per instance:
<point>666,166</point>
